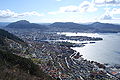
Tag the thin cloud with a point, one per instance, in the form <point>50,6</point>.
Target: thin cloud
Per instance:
<point>106,17</point>
<point>107,2</point>
<point>109,14</point>
<point>69,9</point>
<point>11,14</point>
<point>115,11</point>
<point>85,6</point>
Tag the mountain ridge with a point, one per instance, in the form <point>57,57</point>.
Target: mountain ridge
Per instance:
<point>93,27</point>
<point>97,27</point>
<point>23,24</point>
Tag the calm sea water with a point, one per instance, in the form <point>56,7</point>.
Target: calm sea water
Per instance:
<point>105,51</point>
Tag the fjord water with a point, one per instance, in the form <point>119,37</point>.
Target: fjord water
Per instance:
<point>104,51</point>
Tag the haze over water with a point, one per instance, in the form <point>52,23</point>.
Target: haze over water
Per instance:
<point>105,51</point>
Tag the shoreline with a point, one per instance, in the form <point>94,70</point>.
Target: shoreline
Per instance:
<point>61,61</point>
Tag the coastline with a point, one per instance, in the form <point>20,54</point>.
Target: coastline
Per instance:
<point>61,61</point>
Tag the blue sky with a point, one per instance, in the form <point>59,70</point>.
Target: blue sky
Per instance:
<point>47,11</point>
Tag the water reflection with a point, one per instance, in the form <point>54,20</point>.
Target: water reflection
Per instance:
<point>102,51</point>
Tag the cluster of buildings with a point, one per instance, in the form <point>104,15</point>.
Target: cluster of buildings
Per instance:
<point>63,63</point>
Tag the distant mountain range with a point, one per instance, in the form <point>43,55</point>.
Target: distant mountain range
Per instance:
<point>3,24</point>
<point>23,24</point>
<point>94,27</point>
<point>67,27</point>
<point>105,27</point>
<point>70,27</point>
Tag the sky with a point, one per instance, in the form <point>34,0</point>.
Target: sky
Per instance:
<point>49,11</point>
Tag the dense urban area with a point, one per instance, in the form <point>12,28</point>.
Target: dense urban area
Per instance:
<point>55,57</point>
